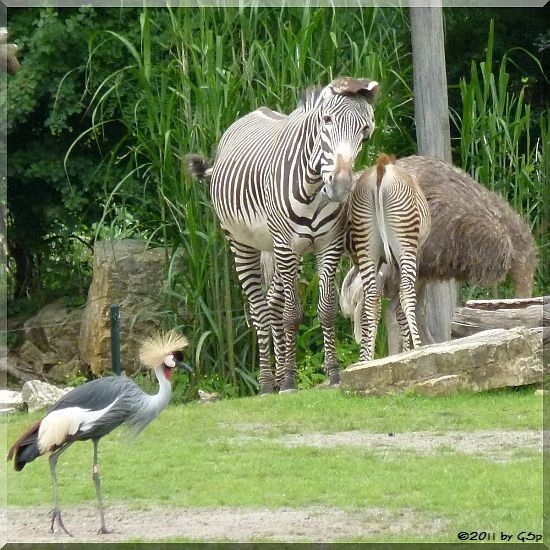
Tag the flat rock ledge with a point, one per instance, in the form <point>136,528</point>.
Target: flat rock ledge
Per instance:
<point>487,360</point>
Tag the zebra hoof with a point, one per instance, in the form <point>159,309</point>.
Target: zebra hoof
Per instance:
<point>288,386</point>
<point>265,390</point>
<point>334,380</point>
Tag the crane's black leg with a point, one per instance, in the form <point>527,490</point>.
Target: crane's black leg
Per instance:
<point>97,481</point>
<point>56,514</point>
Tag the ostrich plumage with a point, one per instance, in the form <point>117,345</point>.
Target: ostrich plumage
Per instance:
<point>96,408</point>
<point>475,237</point>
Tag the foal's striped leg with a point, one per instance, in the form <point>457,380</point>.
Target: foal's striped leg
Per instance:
<point>402,323</point>
<point>371,309</point>
<point>407,293</point>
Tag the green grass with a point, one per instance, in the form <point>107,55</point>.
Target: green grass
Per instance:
<point>230,454</point>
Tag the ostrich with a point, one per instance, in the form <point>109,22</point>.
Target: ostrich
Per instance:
<point>475,237</point>
<point>95,409</point>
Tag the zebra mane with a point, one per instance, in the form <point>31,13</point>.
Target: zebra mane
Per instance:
<point>309,98</point>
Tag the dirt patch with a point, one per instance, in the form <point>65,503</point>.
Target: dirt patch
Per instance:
<point>317,524</point>
<point>498,446</point>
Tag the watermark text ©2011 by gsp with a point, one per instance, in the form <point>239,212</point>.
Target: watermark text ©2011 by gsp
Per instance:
<point>490,536</point>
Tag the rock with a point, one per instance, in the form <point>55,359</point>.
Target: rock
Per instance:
<point>127,274</point>
<point>487,360</point>
<point>10,401</point>
<point>205,397</point>
<point>469,320</point>
<point>50,345</point>
<point>38,395</point>
<point>541,393</point>
<point>41,362</point>
<point>62,372</point>
<point>8,54</point>
<point>30,354</point>
<point>546,338</point>
<point>439,385</point>
<point>55,328</point>
<point>21,371</point>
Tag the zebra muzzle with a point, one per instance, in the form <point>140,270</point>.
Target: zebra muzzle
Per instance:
<point>337,188</point>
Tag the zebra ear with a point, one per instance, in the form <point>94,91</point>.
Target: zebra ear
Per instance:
<point>347,86</point>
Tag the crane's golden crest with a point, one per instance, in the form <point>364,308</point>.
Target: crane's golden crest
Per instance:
<point>155,349</point>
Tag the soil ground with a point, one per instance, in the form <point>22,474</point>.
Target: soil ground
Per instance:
<point>498,446</point>
<point>317,524</point>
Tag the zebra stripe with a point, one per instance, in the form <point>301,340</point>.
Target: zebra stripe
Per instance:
<point>278,184</point>
<point>390,219</point>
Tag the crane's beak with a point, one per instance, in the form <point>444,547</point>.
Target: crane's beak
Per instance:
<point>184,366</point>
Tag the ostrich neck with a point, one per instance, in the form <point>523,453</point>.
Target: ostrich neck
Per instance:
<point>161,399</point>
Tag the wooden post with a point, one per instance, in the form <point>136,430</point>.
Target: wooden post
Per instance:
<point>431,108</point>
<point>115,338</point>
<point>433,136</point>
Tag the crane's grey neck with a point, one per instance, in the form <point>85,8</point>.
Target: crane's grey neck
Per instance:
<point>145,408</point>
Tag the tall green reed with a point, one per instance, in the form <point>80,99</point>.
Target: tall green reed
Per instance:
<point>192,73</point>
<point>497,144</point>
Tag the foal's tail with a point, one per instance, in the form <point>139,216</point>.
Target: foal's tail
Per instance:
<point>381,173</point>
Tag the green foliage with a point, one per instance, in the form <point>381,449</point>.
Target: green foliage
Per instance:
<point>97,136</point>
<point>496,144</point>
<point>193,72</point>
<point>74,380</point>
<point>524,30</point>
<point>52,205</point>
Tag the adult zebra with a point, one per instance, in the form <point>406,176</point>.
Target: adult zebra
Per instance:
<point>278,183</point>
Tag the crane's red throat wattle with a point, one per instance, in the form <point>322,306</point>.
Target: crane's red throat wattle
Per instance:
<point>167,373</point>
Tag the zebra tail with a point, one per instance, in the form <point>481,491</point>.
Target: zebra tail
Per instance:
<point>351,300</point>
<point>198,167</point>
<point>381,222</point>
<point>347,305</point>
<point>381,173</point>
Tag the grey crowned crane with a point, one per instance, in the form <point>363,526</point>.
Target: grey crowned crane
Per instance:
<point>96,408</point>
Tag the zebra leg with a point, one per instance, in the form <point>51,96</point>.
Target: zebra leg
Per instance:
<point>407,293</point>
<point>403,324</point>
<point>394,327</point>
<point>247,262</point>
<point>371,309</point>
<point>327,264</point>
<point>288,264</point>
<point>276,301</point>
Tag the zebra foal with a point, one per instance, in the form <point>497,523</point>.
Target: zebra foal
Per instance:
<point>389,221</point>
<point>279,184</point>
